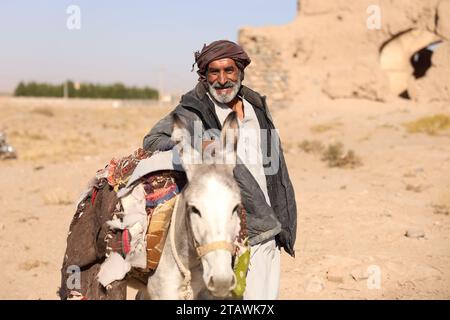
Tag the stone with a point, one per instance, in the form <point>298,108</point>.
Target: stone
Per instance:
<point>441,209</point>
<point>415,233</point>
<point>335,274</point>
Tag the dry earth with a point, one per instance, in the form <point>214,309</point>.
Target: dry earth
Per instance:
<point>350,221</point>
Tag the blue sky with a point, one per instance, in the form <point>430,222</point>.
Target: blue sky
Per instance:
<point>136,42</point>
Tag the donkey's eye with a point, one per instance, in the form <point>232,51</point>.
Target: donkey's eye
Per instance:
<point>236,209</point>
<point>194,210</point>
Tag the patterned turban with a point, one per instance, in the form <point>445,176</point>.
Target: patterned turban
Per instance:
<point>220,49</point>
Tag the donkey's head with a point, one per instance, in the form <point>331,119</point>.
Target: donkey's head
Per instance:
<point>212,201</point>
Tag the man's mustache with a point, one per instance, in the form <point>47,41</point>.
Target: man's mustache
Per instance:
<point>226,85</point>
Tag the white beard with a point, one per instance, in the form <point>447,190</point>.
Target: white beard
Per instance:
<point>225,98</point>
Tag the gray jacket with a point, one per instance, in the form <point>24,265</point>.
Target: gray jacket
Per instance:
<point>263,221</point>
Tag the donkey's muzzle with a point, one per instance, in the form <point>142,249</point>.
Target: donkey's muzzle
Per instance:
<point>221,286</point>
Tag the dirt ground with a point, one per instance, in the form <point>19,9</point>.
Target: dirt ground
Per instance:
<point>351,241</point>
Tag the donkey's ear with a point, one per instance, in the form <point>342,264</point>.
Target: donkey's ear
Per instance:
<point>188,155</point>
<point>229,138</point>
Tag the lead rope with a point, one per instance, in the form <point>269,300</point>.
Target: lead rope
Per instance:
<point>186,292</point>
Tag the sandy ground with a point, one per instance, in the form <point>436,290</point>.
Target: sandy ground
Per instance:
<point>350,221</point>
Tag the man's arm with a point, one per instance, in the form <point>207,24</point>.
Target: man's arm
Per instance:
<point>284,203</point>
<point>262,223</point>
<point>159,136</point>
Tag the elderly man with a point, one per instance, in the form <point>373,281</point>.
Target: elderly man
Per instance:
<point>267,192</point>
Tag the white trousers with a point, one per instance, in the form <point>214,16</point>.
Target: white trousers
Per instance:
<point>263,277</point>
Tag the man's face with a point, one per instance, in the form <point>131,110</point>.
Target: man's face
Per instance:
<point>224,79</point>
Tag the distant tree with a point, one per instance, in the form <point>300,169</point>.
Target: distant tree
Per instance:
<point>20,90</point>
<point>85,90</point>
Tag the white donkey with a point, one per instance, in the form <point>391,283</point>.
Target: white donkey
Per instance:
<point>197,258</point>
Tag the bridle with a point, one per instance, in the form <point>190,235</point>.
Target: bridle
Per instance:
<point>202,250</point>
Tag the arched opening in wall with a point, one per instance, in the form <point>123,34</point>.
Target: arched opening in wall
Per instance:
<point>421,60</point>
<point>407,54</point>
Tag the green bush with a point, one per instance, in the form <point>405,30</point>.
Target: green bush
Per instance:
<point>85,90</point>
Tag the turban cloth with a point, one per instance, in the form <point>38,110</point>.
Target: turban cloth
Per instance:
<point>220,49</point>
